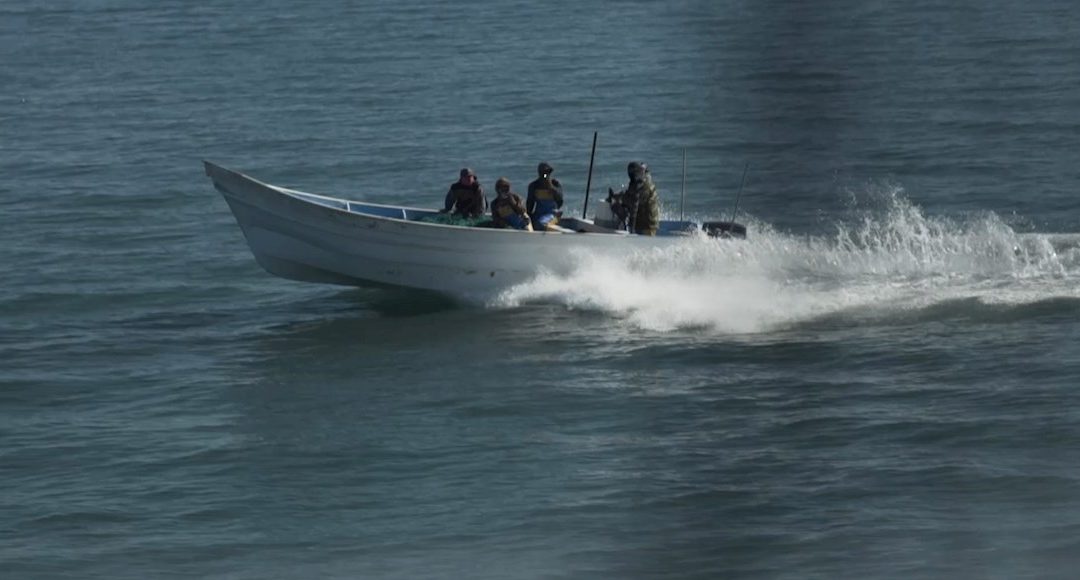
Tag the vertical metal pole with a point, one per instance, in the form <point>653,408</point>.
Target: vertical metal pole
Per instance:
<point>588,183</point>
<point>682,197</point>
<point>738,196</point>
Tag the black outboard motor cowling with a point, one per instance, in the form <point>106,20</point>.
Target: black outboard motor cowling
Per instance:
<point>724,230</point>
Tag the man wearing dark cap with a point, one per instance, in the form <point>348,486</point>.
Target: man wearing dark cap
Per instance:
<point>466,197</point>
<point>545,198</point>
<point>638,204</point>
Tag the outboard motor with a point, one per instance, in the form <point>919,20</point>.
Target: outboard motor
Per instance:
<point>724,230</point>
<point>604,217</point>
<point>611,213</point>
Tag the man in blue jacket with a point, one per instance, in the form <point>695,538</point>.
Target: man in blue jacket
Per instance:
<point>545,198</point>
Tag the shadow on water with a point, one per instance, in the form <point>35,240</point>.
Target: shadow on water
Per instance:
<point>385,319</point>
<point>400,303</point>
<point>379,327</point>
<point>362,304</point>
<point>361,319</point>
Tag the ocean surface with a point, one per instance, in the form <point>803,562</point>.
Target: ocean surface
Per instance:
<point>881,382</point>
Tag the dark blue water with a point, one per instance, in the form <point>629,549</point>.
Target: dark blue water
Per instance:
<point>880,383</point>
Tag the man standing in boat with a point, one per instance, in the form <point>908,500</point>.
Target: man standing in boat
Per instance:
<point>640,202</point>
<point>466,197</point>
<point>545,198</point>
<point>508,209</point>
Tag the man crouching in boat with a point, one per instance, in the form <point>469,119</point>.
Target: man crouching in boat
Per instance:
<point>545,198</point>
<point>507,209</point>
<point>466,197</point>
<point>638,206</point>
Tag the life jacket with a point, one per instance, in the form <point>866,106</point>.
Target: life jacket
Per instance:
<point>505,211</point>
<point>545,199</point>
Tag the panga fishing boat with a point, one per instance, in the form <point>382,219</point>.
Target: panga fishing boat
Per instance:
<point>315,238</point>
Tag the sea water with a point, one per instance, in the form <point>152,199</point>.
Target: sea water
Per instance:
<point>880,382</point>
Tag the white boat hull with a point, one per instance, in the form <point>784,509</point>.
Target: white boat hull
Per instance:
<point>312,238</point>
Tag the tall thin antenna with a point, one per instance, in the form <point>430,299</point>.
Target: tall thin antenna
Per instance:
<point>682,197</point>
<point>588,183</point>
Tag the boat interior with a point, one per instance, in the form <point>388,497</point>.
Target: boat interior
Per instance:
<point>566,224</point>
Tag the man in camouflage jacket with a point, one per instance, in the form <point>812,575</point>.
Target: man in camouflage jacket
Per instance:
<point>642,201</point>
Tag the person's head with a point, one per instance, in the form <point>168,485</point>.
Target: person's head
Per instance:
<point>502,186</point>
<point>636,171</point>
<point>544,169</point>
<point>467,176</point>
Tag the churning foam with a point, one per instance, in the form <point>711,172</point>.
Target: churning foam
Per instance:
<point>895,259</point>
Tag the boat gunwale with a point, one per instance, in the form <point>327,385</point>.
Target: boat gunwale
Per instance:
<point>293,194</point>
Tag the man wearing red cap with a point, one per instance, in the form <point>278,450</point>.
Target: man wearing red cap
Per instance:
<point>465,197</point>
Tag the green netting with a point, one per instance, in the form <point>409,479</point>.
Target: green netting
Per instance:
<point>453,220</point>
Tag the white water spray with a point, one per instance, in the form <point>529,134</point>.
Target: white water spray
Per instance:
<point>897,259</point>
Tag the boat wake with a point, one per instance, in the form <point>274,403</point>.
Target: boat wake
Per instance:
<point>892,264</point>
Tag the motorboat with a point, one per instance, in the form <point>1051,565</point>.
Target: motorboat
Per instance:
<point>315,238</point>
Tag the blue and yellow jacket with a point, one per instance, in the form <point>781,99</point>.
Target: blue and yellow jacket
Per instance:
<point>544,199</point>
<point>509,211</point>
